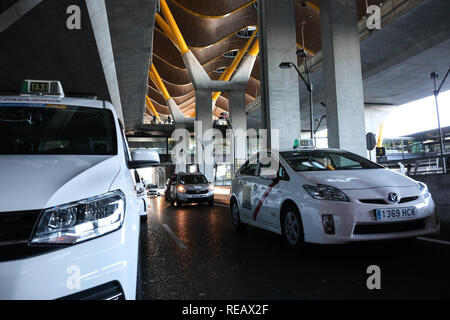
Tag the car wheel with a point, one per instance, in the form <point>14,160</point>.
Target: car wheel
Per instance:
<point>235,217</point>
<point>292,227</point>
<point>178,203</point>
<point>210,203</point>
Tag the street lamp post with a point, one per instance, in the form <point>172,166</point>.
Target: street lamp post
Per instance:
<point>309,86</point>
<point>435,76</point>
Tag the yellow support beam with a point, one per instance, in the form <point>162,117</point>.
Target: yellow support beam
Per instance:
<point>380,136</point>
<point>312,5</point>
<point>173,25</point>
<point>152,107</point>
<point>150,74</point>
<point>166,28</point>
<point>226,75</point>
<point>306,49</point>
<point>154,75</point>
<point>254,50</point>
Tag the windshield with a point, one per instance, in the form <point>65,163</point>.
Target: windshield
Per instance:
<point>193,179</point>
<point>317,160</point>
<point>56,130</point>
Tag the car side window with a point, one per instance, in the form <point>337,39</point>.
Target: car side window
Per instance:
<point>267,165</point>
<point>242,169</point>
<point>250,169</point>
<point>282,174</point>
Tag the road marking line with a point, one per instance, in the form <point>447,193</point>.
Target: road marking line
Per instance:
<point>434,240</point>
<point>174,237</point>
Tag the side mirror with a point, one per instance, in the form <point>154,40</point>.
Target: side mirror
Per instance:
<point>268,173</point>
<point>142,158</point>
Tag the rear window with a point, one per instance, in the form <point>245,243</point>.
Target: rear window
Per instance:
<point>193,179</point>
<point>57,130</point>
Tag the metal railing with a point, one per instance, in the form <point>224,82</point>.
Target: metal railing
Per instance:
<point>432,164</point>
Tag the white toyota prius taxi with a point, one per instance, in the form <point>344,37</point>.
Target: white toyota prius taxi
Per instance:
<point>69,212</point>
<point>329,196</point>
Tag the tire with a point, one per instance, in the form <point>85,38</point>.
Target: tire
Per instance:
<point>178,203</point>
<point>210,203</point>
<point>235,217</point>
<point>292,227</point>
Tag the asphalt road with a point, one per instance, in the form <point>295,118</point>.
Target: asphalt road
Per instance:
<point>193,253</point>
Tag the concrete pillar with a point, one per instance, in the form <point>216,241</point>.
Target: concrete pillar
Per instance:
<point>280,99</point>
<point>180,164</point>
<point>343,76</point>
<point>238,119</point>
<point>203,124</point>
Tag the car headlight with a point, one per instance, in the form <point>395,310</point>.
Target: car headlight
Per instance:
<point>423,189</point>
<point>181,188</point>
<point>324,192</point>
<point>211,187</point>
<point>81,220</point>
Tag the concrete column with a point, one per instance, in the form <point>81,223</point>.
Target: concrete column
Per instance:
<point>180,166</point>
<point>203,118</point>
<point>280,99</point>
<point>238,119</point>
<point>343,76</point>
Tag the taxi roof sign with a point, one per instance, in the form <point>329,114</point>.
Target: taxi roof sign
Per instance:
<point>303,143</point>
<point>42,88</point>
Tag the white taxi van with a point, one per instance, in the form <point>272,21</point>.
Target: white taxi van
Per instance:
<point>69,211</point>
<point>329,196</point>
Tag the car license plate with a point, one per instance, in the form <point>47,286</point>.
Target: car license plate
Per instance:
<point>395,213</point>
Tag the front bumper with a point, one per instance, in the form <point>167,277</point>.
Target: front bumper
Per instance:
<point>354,221</point>
<point>195,198</point>
<point>73,269</point>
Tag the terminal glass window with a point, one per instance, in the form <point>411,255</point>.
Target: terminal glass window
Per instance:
<point>57,130</point>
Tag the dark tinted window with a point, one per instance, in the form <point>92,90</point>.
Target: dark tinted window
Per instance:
<point>192,179</point>
<point>317,160</point>
<point>250,169</point>
<point>57,130</point>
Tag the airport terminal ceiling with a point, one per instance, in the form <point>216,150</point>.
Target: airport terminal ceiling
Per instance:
<point>215,31</point>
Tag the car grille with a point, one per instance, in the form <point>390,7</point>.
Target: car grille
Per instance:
<point>15,231</point>
<point>382,201</point>
<point>197,191</point>
<point>389,227</point>
<point>408,199</point>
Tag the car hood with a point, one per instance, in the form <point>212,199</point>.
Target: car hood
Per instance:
<point>358,179</point>
<point>30,182</point>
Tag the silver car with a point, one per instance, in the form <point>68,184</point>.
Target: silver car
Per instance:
<point>191,188</point>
